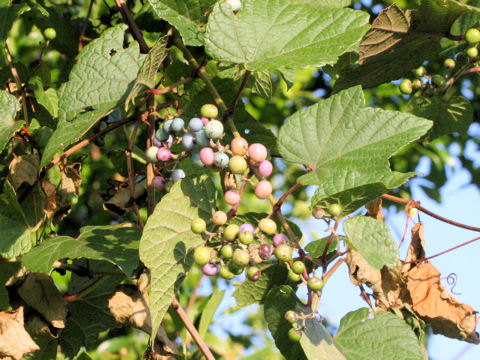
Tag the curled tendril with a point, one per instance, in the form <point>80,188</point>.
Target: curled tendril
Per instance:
<point>452,281</point>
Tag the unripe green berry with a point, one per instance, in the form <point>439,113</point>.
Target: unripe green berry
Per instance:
<point>438,80</point>
<point>227,251</point>
<point>472,52</point>
<point>293,277</point>
<point>253,273</point>
<point>449,63</point>
<point>245,237</point>
<point>420,71</point>
<point>209,111</point>
<point>50,33</point>
<point>417,84</point>
<point>291,316</point>
<point>241,257</point>
<point>472,36</point>
<point>406,86</point>
<point>225,273</point>
<point>237,164</point>
<point>315,283</point>
<point>298,267</point>
<point>231,232</point>
<point>151,154</point>
<point>198,226</point>
<point>283,252</point>
<point>334,209</point>
<point>267,226</point>
<point>294,334</point>
<point>201,255</point>
<point>234,268</point>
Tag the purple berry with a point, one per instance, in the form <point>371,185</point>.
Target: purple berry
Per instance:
<point>265,251</point>
<point>207,156</point>
<point>164,154</point>
<point>157,143</point>
<point>188,141</point>
<point>195,124</point>
<point>210,269</point>
<point>265,168</point>
<point>279,239</point>
<point>159,183</point>
<point>169,141</point>
<point>247,227</point>
<point>177,175</point>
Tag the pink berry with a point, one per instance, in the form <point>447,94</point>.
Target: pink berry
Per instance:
<point>159,183</point>
<point>232,197</point>
<point>239,146</point>
<point>257,152</point>
<point>210,269</point>
<point>207,156</point>
<point>205,120</point>
<point>164,154</point>
<point>265,168</point>
<point>263,189</point>
<point>247,227</point>
<point>279,239</point>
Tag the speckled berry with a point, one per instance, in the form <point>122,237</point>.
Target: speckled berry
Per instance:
<point>207,156</point>
<point>221,160</point>
<point>198,226</point>
<point>245,237</point>
<point>283,252</point>
<point>219,218</point>
<point>265,168</point>
<point>263,189</point>
<point>298,267</point>
<point>232,197</point>
<point>164,154</point>
<point>209,111</point>
<point>268,226</point>
<point>177,124</point>
<point>241,257</point>
<point>291,316</point>
<point>257,152</point>
<point>279,239</point>
<point>239,146</point>
<point>231,231</point>
<point>201,255</point>
<point>315,283</point>
<point>253,273</point>
<point>214,129</point>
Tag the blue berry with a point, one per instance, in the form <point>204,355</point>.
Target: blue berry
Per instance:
<point>221,160</point>
<point>214,129</point>
<point>196,160</point>
<point>202,138</point>
<point>195,124</point>
<point>161,135</point>
<point>188,141</point>
<point>177,175</point>
<point>177,124</point>
<point>167,126</point>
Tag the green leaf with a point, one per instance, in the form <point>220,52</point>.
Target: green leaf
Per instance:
<point>48,348</point>
<point>7,269</point>
<point>464,22</point>
<point>372,239</point>
<point>103,75</point>
<point>254,292</point>
<point>189,17</point>
<point>47,98</point>
<point>167,242</point>
<point>449,114</point>
<point>114,243</point>
<point>317,343</point>
<point>267,35</point>
<point>316,248</point>
<point>392,337</point>
<point>347,146</point>
<point>16,236</point>
<point>262,84</point>
<point>389,50</point>
<point>8,14</point>
<point>8,109</point>
<point>278,301</point>
<point>209,311</point>
<point>147,76</point>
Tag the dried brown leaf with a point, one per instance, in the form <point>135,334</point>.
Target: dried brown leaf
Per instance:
<point>35,326</point>
<point>120,203</point>
<point>374,209</point>
<point>436,306</point>
<point>416,250</point>
<point>15,341</point>
<point>39,292</point>
<point>24,169</point>
<point>71,179</point>
<point>50,201</point>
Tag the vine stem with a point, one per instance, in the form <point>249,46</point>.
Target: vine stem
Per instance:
<point>128,18</point>
<point>416,205</point>
<point>84,26</point>
<point>131,184</point>
<point>87,290</point>
<point>170,87</point>
<point>14,71</point>
<point>191,329</point>
<point>333,269</point>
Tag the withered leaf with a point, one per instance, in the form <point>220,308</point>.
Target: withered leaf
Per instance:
<point>436,306</point>
<point>24,169</point>
<point>374,209</point>
<point>120,203</point>
<point>39,292</point>
<point>14,339</point>
<point>50,201</point>
<point>416,250</point>
<point>71,179</point>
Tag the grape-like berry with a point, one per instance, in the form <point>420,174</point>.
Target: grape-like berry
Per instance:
<point>188,141</point>
<point>50,33</point>
<point>283,252</point>
<point>231,232</point>
<point>406,86</point>
<point>161,135</point>
<point>210,269</point>
<point>263,189</point>
<point>298,267</point>
<point>438,80</point>
<point>245,237</point>
<point>237,164</point>
<point>159,182</point>
<point>167,126</point>
<point>472,36</point>
<point>294,277</point>
<point>291,316</point>
<point>241,257</point>
<point>196,160</point>
<point>221,160</point>
<point>225,273</point>
<point>315,283</point>
<point>232,197</point>
<point>472,52</point>
<point>201,255</point>
<point>214,129</point>
<point>334,209</point>
<point>195,124</point>
<point>265,251</point>
<point>318,213</point>
<point>227,251</point>
<point>178,124</point>
<point>177,175</point>
<point>253,273</point>
<point>198,226</point>
<point>209,111</point>
<point>239,146</point>
<point>219,218</point>
<point>151,154</point>
<point>449,63</point>
<point>279,239</point>
<point>420,71</point>
<point>257,152</point>
<point>207,156</point>
<point>294,334</point>
<point>164,154</point>
<point>268,226</point>
<point>247,227</point>
<point>202,138</point>
<point>265,168</point>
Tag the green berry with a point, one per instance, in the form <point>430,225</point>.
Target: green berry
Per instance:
<point>315,283</point>
<point>283,252</point>
<point>294,334</point>
<point>237,164</point>
<point>245,237</point>
<point>209,111</point>
<point>201,255</point>
<point>472,52</point>
<point>225,273</point>
<point>406,86</point>
<point>293,277</point>
<point>438,80</point>
<point>335,209</point>
<point>449,63</point>
<point>50,33</point>
<point>291,316</point>
<point>231,232</point>
<point>268,226</point>
<point>241,257</point>
<point>417,84</point>
<point>298,267</point>
<point>198,226</point>
<point>420,71</point>
<point>234,268</point>
<point>472,36</point>
<point>227,251</point>
<point>253,273</point>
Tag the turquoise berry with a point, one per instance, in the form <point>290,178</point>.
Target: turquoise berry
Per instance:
<point>214,129</point>
<point>167,126</point>
<point>221,160</point>
<point>177,175</point>
<point>161,135</point>
<point>196,160</point>
<point>178,124</point>
<point>195,124</point>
